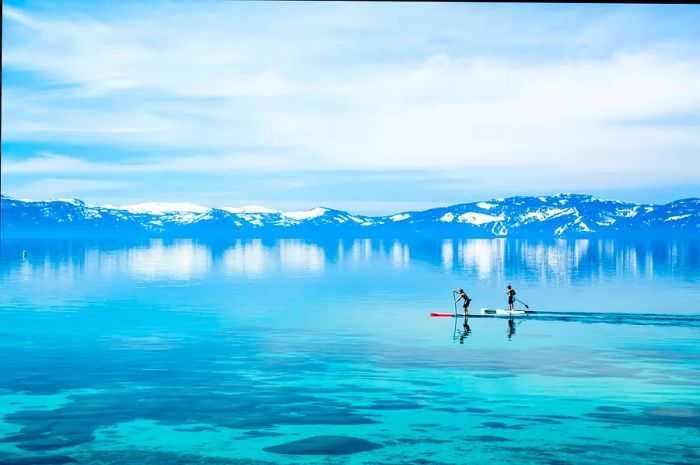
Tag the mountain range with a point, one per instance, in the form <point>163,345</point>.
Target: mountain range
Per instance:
<point>556,216</point>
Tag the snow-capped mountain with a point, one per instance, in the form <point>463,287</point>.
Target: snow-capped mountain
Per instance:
<point>563,215</point>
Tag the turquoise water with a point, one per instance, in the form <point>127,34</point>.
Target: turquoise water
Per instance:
<point>289,351</point>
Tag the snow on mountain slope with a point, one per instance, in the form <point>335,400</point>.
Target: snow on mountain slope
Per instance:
<point>562,215</point>
<point>306,214</point>
<point>477,218</point>
<point>485,206</point>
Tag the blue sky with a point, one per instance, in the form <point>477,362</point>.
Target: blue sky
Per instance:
<point>371,108</point>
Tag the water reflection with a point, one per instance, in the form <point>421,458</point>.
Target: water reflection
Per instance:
<point>462,330</point>
<point>511,328</point>
<point>245,259</point>
<point>551,262</point>
<point>299,255</point>
<point>253,258</point>
<point>400,255</point>
<point>484,256</point>
<point>177,260</point>
<point>565,261</point>
<point>448,254</point>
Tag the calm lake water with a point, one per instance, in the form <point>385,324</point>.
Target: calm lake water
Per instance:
<point>253,352</point>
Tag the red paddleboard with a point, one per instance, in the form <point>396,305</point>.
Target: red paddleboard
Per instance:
<point>441,314</point>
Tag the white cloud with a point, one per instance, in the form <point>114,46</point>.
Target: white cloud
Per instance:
<point>193,81</point>
<point>52,188</point>
<point>220,164</point>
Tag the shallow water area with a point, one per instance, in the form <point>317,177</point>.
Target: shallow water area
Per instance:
<point>298,352</point>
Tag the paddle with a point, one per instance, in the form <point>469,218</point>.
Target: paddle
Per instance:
<point>453,299</point>
<point>526,305</point>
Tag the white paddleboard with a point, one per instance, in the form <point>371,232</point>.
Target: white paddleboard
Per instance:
<point>502,312</point>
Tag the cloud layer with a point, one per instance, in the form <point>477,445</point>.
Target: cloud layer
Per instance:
<point>593,98</point>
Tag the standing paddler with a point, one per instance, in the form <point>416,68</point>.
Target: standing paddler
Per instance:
<point>467,300</point>
<point>510,292</point>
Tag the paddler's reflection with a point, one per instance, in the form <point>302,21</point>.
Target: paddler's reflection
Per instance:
<point>464,332</point>
<point>511,328</point>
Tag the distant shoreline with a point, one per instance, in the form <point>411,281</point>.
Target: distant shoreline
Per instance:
<point>542,217</point>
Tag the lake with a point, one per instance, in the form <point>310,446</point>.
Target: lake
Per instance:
<point>255,352</point>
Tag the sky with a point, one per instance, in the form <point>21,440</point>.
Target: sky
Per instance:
<point>371,108</point>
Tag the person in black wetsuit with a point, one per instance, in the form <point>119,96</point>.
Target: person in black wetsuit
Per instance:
<point>467,300</point>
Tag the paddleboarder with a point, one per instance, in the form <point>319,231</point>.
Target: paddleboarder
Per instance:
<point>510,292</point>
<point>467,300</point>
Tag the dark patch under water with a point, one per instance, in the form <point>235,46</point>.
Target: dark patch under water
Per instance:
<point>217,400</point>
<point>499,425</point>
<point>261,434</point>
<point>547,421</point>
<point>660,416</point>
<point>324,445</point>
<point>147,457</point>
<point>446,409</point>
<point>607,408</point>
<point>37,460</point>
<point>488,438</point>
<point>194,429</point>
<point>420,441</point>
